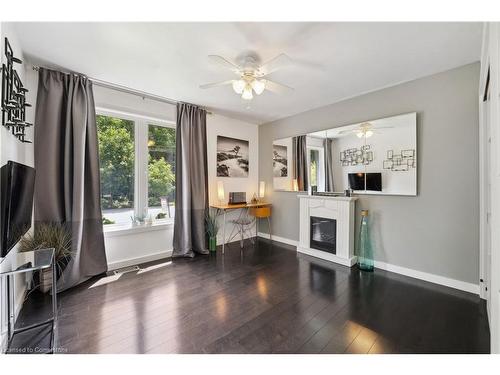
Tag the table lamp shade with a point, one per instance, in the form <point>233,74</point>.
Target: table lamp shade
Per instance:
<point>220,191</point>
<point>262,189</point>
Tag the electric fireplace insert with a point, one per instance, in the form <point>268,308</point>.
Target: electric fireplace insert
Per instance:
<point>323,234</point>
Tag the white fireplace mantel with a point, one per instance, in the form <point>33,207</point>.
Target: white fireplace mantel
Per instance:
<point>342,209</point>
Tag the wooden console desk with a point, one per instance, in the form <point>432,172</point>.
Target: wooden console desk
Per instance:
<point>227,207</point>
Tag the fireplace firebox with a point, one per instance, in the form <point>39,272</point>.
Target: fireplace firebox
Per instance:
<point>323,234</point>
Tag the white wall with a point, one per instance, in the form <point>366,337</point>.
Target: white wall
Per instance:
<point>12,149</point>
<point>106,98</point>
<point>138,245</point>
<point>225,126</point>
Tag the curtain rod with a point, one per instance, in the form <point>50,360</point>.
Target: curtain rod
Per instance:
<point>129,90</point>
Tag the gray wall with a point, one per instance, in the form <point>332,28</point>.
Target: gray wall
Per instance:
<point>438,230</point>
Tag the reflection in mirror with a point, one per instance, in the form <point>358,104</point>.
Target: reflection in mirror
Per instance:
<point>373,157</point>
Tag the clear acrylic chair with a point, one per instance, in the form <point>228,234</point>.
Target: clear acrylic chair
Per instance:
<point>244,224</point>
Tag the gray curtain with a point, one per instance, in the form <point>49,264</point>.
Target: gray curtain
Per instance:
<point>67,186</point>
<point>191,181</point>
<point>300,169</point>
<point>328,148</point>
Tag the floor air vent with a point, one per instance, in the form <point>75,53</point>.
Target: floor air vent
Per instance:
<point>126,270</point>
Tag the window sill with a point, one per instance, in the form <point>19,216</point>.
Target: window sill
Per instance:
<point>122,230</point>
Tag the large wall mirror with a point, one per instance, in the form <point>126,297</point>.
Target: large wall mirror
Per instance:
<point>373,157</point>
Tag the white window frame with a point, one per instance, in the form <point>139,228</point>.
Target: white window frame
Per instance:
<point>321,166</point>
<point>141,124</point>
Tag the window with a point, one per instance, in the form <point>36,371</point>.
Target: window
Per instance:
<point>137,167</point>
<point>314,167</point>
<point>117,158</point>
<point>316,163</point>
<point>161,171</point>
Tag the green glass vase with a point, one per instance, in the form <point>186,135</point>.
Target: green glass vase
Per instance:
<point>212,244</point>
<point>365,250</point>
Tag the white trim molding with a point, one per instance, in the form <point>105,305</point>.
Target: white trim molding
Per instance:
<point>429,277</point>
<point>138,260</point>
<point>279,239</point>
<point>435,279</point>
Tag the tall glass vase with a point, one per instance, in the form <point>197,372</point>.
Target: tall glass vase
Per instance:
<point>365,250</point>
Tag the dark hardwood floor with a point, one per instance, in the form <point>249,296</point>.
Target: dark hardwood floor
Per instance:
<point>267,299</point>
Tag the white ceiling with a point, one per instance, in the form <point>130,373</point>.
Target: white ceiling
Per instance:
<point>334,61</point>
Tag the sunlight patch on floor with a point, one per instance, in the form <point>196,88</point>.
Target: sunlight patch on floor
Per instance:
<point>154,267</point>
<point>106,280</point>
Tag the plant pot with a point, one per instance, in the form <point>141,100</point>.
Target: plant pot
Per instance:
<point>45,275</point>
<point>212,244</point>
<point>46,280</point>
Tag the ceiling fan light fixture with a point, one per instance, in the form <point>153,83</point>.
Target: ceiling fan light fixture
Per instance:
<point>368,133</point>
<point>239,86</point>
<point>258,86</point>
<point>252,75</point>
<point>247,93</point>
<point>359,134</point>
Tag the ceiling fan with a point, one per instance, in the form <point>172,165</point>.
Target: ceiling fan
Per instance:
<point>365,130</point>
<point>251,75</point>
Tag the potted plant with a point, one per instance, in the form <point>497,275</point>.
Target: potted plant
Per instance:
<point>137,220</point>
<point>212,228</point>
<point>161,216</point>
<point>46,236</point>
<point>106,221</point>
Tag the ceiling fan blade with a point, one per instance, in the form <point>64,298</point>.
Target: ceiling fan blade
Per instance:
<point>276,87</point>
<point>280,61</point>
<point>216,84</point>
<point>219,60</point>
<point>347,131</point>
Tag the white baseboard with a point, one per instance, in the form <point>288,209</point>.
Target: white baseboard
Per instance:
<point>429,277</point>
<point>279,239</point>
<point>134,261</point>
<point>436,279</point>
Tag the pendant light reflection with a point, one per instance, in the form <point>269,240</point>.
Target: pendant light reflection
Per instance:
<point>221,307</point>
<point>262,287</point>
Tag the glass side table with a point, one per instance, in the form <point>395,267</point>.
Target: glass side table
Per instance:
<point>14,264</point>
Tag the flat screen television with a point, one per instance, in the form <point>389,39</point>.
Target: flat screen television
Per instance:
<point>17,187</point>
<point>373,181</point>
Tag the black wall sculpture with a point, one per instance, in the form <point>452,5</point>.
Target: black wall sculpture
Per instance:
<point>13,97</point>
